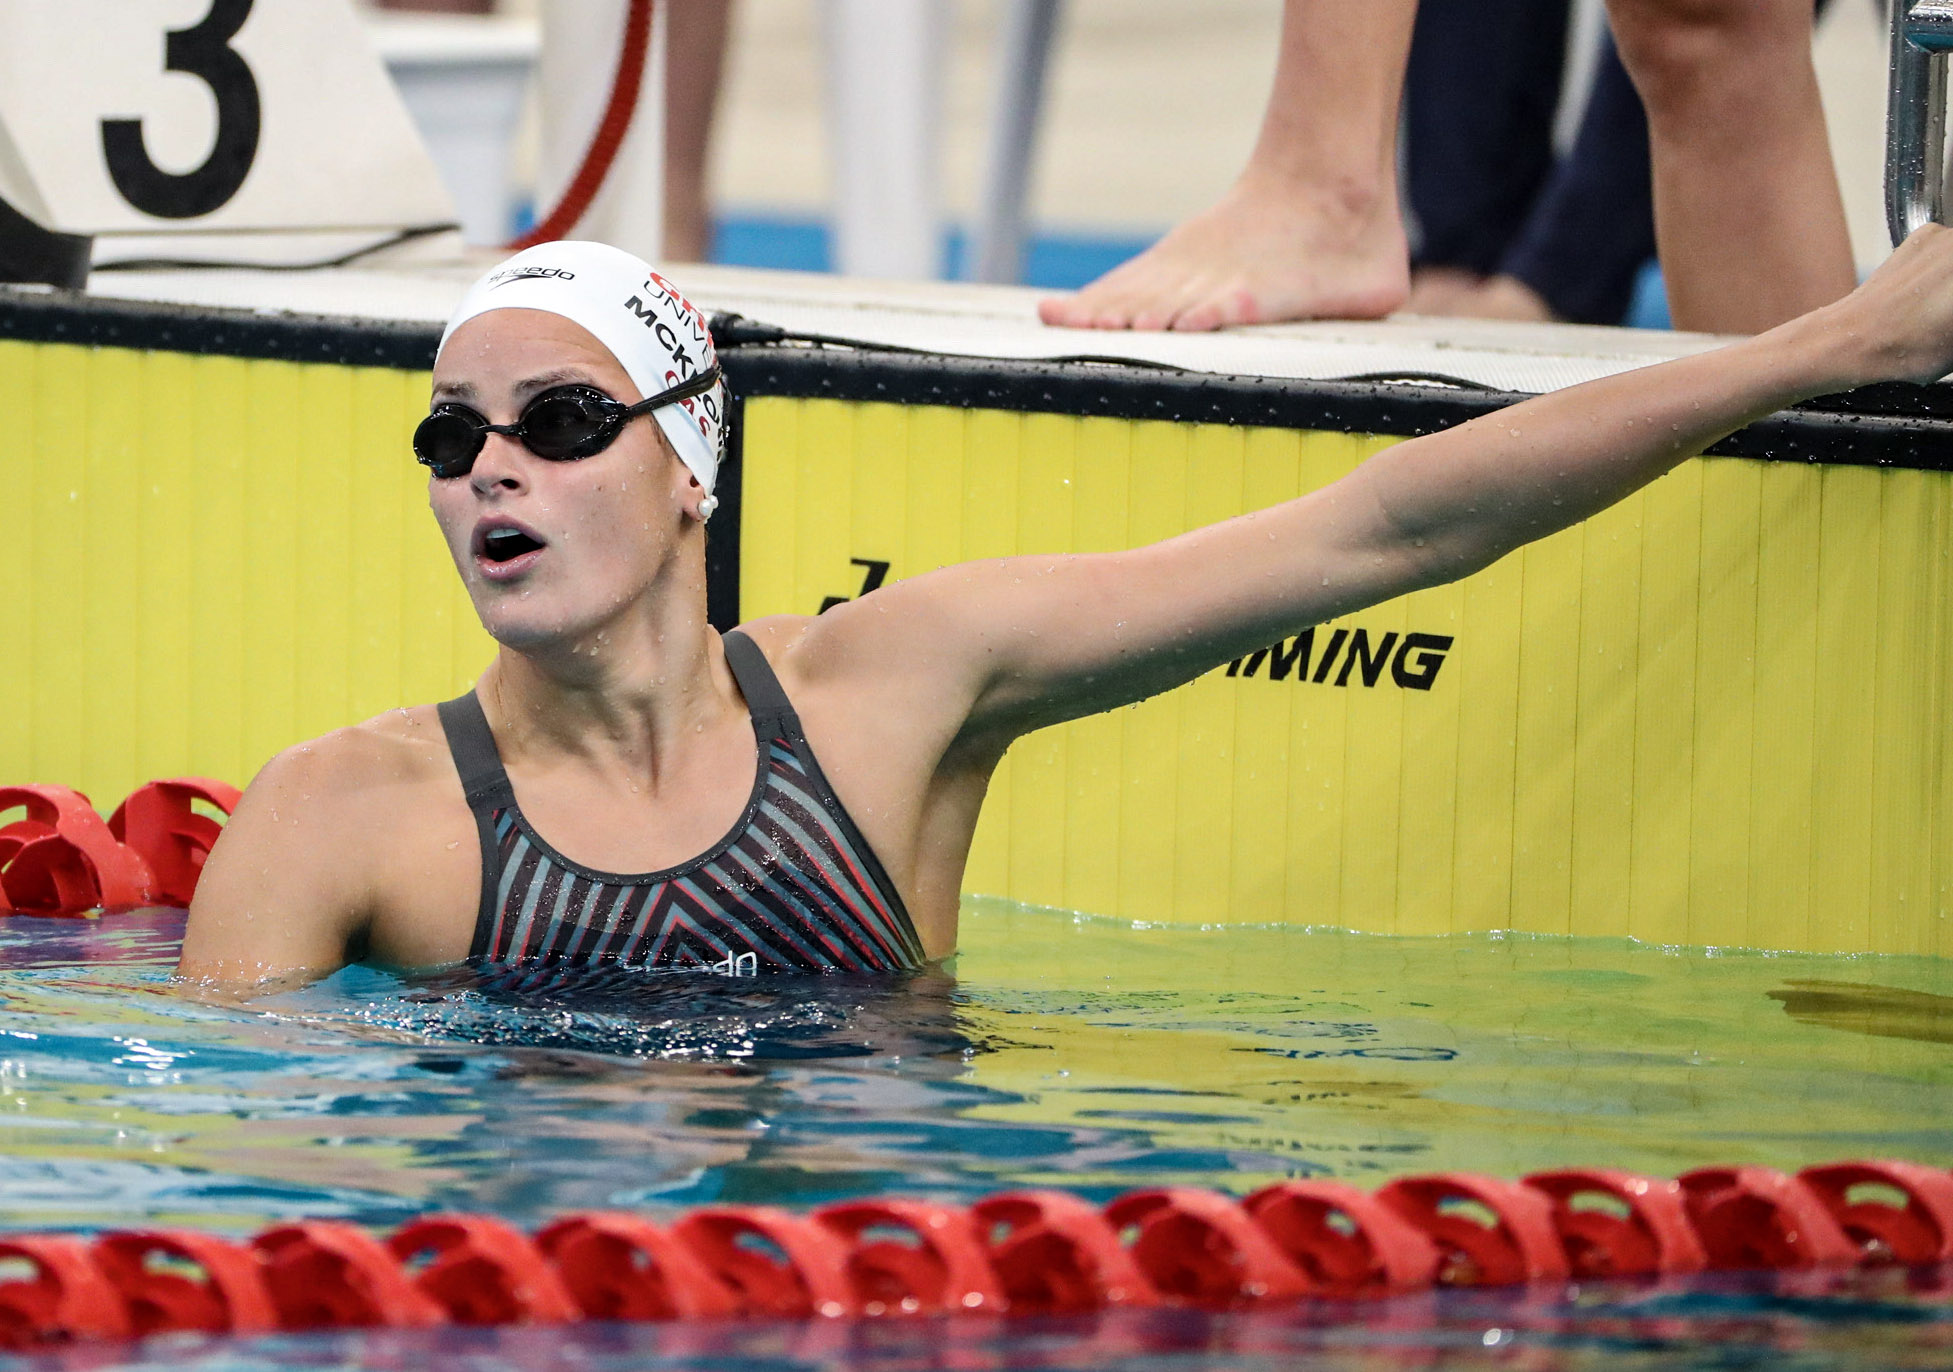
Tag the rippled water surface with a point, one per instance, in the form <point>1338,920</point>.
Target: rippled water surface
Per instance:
<point>1055,1051</point>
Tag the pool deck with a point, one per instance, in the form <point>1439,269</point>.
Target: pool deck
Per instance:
<point>973,321</point>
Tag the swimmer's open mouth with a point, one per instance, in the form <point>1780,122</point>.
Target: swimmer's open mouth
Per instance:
<point>504,543</point>
<point>501,543</point>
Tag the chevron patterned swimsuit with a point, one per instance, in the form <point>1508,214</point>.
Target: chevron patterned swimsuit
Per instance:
<point>793,887</point>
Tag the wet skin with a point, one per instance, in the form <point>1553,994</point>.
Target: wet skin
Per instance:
<point>628,743</point>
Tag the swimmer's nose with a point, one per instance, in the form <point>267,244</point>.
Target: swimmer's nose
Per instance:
<point>498,464</point>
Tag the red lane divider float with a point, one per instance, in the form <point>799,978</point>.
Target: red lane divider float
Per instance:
<point>172,1279</point>
<point>1349,1242</point>
<point>1488,1232</point>
<point>62,858</point>
<point>1055,1254</point>
<point>1616,1224</point>
<point>326,1275</point>
<point>1025,1252</point>
<point>482,1271</point>
<point>1759,1217</point>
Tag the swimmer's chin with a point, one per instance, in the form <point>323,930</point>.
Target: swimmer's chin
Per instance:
<point>525,636</point>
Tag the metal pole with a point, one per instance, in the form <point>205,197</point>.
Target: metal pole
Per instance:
<point>997,238</point>
<point>1915,119</point>
<point>884,82</point>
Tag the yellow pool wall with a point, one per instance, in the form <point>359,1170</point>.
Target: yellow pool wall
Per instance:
<point>1710,716</point>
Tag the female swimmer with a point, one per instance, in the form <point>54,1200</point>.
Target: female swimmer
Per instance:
<point>624,786</point>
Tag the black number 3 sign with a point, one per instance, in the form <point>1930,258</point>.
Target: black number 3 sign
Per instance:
<point>203,52</point>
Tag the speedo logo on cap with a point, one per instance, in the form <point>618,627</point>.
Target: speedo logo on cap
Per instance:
<point>502,278</point>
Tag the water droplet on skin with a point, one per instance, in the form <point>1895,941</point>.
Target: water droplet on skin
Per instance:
<point>455,844</point>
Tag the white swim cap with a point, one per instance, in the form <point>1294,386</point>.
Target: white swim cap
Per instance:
<point>657,335</point>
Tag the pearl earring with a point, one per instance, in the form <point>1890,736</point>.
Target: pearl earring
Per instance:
<point>706,506</point>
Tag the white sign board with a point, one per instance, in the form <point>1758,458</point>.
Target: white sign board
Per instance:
<point>148,116</point>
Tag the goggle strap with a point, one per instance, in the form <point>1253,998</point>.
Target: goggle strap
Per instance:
<point>684,390</point>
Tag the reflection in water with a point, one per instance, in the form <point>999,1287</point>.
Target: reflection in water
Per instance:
<point>1710,1323</point>
<point>1882,1011</point>
<point>670,1015</point>
<point>1066,1051</point>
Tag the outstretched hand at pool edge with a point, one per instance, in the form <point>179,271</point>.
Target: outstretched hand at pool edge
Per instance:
<point>1902,315</point>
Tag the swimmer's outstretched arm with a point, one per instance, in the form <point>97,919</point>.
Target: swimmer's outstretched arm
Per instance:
<point>1030,641</point>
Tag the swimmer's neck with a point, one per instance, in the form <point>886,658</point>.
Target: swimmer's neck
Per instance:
<point>632,689</point>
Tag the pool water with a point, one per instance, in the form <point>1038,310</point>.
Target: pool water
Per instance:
<point>1056,1050</point>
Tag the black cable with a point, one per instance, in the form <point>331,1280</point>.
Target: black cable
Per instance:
<point>730,330</point>
<point>160,264</point>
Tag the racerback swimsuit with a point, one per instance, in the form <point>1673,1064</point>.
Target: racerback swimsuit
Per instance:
<point>794,886</point>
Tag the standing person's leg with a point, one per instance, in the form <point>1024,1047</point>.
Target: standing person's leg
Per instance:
<point>1747,208</point>
<point>1592,228</point>
<point>1311,228</point>
<point>1480,93</point>
<point>695,52</point>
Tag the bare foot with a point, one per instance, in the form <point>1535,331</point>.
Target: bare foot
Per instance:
<point>1440,290</point>
<point>1505,297</point>
<point>1265,253</point>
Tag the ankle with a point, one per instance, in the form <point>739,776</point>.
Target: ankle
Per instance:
<point>1336,188</point>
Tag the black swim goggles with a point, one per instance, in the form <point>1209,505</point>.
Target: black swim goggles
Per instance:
<point>561,424</point>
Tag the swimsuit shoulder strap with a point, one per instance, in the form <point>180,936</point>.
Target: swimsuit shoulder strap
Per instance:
<point>765,698</point>
<point>486,784</point>
<point>476,757</point>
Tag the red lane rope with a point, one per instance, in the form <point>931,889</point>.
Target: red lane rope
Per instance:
<point>61,858</point>
<point>625,87</point>
<point>1026,1252</point>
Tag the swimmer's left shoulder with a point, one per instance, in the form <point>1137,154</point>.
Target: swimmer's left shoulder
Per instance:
<point>779,637</point>
<point>803,649</point>
<point>873,637</point>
